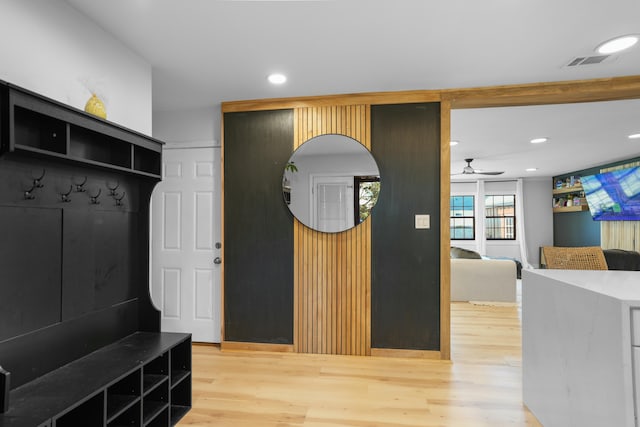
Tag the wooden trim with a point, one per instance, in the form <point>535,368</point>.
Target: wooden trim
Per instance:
<point>222,249</point>
<point>205,344</point>
<point>565,190</point>
<point>445,236</point>
<point>370,98</point>
<point>560,92</point>
<point>563,92</point>
<point>409,354</point>
<point>578,208</point>
<point>332,271</point>
<point>253,346</point>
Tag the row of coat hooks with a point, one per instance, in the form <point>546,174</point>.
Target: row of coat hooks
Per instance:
<point>79,185</point>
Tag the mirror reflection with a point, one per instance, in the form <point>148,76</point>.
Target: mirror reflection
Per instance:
<point>331,183</point>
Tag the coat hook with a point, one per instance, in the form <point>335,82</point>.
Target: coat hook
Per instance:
<point>65,196</point>
<point>80,185</point>
<point>119,199</point>
<point>112,190</point>
<point>28,194</point>
<point>37,182</point>
<point>94,199</point>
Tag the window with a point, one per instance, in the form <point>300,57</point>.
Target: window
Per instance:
<point>462,221</point>
<point>500,217</point>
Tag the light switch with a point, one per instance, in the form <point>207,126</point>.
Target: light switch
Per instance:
<point>423,221</point>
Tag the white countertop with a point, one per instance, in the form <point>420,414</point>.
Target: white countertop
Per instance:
<point>622,285</point>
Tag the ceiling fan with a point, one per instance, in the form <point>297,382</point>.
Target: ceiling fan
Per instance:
<point>468,170</point>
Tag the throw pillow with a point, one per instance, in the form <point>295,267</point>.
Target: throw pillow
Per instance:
<point>464,253</point>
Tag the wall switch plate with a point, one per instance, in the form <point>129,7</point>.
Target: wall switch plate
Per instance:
<point>423,221</point>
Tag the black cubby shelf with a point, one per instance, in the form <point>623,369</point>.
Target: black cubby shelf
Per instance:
<point>43,127</point>
<point>127,383</point>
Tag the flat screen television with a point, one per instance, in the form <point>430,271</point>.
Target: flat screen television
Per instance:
<point>614,196</point>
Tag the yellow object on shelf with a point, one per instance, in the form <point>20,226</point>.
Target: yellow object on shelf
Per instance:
<point>96,107</point>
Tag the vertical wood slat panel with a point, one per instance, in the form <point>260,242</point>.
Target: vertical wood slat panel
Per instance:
<point>332,273</point>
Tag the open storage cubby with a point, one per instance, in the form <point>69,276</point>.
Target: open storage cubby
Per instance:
<point>155,373</point>
<point>86,144</point>
<point>180,381</point>
<point>146,160</point>
<point>35,130</point>
<point>156,402</point>
<point>45,127</point>
<point>180,399</point>
<point>123,395</point>
<point>180,363</point>
<point>130,417</point>
<point>88,413</point>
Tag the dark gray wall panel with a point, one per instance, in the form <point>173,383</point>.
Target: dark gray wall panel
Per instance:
<point>100,260</point>
<point>405,288</point>
<point>258,228</point>
<point>30,298</point>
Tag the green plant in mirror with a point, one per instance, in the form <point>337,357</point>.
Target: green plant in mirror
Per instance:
<point>291,167</point>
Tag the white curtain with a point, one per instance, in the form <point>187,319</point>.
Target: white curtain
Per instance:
<point>480,228</point>
<point>520,224</point>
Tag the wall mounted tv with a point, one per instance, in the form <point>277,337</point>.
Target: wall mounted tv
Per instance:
<point>614,196</point>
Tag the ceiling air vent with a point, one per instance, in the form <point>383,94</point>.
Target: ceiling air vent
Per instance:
<point>586,60</point>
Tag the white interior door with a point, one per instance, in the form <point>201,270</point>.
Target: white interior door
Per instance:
<point>185,231</point>
<point>332,202</point>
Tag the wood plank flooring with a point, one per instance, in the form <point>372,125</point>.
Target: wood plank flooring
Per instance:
<point>481,386</point>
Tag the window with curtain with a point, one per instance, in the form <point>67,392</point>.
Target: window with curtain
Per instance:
<point>500,217</point>
<point>462,217</point>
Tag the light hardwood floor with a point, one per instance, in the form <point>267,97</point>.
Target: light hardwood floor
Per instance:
<point>481,386</point>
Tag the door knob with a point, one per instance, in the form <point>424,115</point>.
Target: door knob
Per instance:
<point>217,260</point>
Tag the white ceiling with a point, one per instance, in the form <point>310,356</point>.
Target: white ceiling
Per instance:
<point>204,52</point>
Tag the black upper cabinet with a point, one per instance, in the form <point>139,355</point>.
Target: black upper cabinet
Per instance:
<point>36,125</point>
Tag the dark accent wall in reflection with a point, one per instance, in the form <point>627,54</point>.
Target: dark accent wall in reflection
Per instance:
<point>405,287</point>
<point>258,228</point>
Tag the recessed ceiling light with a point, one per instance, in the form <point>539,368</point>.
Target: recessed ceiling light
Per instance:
<point>452,143</point>
<point>618,44</point>
<point>277,79</point>
<point>531,169</point>
<point>539,140</point>
<point>635,136</point>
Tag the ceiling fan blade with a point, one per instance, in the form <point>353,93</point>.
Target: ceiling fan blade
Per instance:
<point>479,172</point>
<point>469,170</point>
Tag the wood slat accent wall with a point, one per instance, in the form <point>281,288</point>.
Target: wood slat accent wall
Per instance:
<point>332,271</point>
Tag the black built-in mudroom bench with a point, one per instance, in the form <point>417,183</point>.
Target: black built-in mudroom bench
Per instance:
<point>80,340</point>
<point>143,379</point>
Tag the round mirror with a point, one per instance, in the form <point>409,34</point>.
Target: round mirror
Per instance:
<point>331,183</point>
